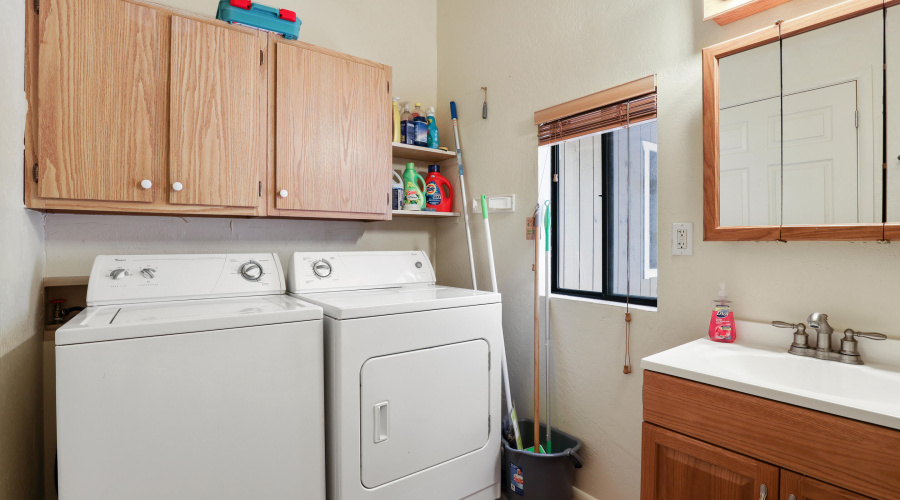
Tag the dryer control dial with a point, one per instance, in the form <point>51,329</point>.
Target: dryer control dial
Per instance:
<point>251,271</point>
<point>321,268</point>
<point>118,274</point>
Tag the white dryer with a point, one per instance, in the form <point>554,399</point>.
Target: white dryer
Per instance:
<point>190,377</point>
<point>412,377</point>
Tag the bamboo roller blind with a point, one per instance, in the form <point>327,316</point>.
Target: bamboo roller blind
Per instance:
<point>597,120</point>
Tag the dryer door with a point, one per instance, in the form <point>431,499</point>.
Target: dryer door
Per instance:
<point>421,408</point>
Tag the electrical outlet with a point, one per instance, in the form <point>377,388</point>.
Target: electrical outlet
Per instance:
<point>683,238</point>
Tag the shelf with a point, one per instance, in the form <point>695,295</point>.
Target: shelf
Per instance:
<point>410,152</point>
<point>423,213</point>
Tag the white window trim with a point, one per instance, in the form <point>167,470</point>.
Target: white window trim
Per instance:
<point>647,147</point>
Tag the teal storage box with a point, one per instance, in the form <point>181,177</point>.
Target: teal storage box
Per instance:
<point>263,17</point>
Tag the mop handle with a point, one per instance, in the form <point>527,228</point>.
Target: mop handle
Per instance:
<point>547,318</point>
<point>511,410</point>
<point>462,185</point>
<point>487,231</point>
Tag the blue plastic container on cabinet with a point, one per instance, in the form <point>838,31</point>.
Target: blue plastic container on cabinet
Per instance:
<point>263,17</point>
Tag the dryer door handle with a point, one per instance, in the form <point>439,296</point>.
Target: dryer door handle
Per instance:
<point>382,421</point>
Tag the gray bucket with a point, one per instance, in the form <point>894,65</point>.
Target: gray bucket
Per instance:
<point>540,476</point>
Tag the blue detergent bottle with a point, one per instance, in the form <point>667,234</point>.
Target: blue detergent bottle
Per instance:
<point>421,126</point>
<point>433,138</point>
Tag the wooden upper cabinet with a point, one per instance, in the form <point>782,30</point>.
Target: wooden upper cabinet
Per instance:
<point>676,467</point>
<point>797,487</point>
<point>216,114</point>
<point>332,135</point>
<point>97,119</point>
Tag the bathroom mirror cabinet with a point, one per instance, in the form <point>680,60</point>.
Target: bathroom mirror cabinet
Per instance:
<point>800,142</point>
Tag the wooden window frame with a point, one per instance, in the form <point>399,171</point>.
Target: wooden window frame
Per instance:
<point>712,231</point>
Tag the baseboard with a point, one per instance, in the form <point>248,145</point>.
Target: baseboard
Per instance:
<point>580,495</point>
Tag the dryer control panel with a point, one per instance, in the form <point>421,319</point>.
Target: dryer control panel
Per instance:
<point>127,279</point>
<point>333,271</point>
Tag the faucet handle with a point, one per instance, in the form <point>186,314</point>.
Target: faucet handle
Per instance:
<point>849,334</point>
<point>801,338</point>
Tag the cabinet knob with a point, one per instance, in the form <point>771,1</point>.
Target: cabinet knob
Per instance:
<point>177,186</point>
<point>283,193</point>
<point>146,184</point>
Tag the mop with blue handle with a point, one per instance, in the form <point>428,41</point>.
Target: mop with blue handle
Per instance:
<point>462,185</point>
<point>510,406</point>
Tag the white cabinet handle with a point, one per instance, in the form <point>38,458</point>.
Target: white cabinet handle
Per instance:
<point>146,184</point>
<point>177,186</point>
<point>283,193</point>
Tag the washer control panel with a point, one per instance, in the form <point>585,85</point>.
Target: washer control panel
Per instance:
<point>321,272</point>
<point>124,279</point>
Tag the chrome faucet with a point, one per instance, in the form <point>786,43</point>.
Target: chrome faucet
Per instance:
<point>819,322</point>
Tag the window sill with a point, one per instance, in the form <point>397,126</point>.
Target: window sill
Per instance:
<point>556,296</point>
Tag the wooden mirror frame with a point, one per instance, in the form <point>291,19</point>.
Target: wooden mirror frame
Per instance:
<point>711,205</point>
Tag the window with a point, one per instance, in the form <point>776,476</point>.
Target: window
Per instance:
<point>604,206</point>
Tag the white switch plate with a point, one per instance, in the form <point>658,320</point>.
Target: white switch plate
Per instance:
<point>496,203</point>
<point>683,238</point>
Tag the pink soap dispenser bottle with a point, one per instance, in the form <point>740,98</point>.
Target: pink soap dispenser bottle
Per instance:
<point>721,324</point>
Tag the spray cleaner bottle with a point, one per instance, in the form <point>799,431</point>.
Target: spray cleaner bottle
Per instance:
<point>721,323</point>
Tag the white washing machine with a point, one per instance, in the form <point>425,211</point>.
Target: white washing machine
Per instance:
<point>412,375</point>
<point>190,377</point>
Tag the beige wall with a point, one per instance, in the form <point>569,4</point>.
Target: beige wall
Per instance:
<point>375,30</point>
<point>21,268</point>
<point>532,54</point>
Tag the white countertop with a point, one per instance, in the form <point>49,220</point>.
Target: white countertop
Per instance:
<point>758,364</point>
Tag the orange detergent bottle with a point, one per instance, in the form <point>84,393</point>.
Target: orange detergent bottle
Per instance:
<point>721,324</point>
<point>438,191</point>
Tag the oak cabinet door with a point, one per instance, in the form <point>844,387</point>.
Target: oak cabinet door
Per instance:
<point>676,467</point>
<point>98,82</point>
<point>216,148</point>
<point>332,133</point>
<point>797,487</point>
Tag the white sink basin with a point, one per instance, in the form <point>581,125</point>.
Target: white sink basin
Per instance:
<point>758,364</point>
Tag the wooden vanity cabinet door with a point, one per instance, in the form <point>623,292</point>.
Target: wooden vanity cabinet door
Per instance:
<point>98,83</point>
<point>332,135</point>
<point>807,488</point>
<point>217,124</point>
<point>676,467</point>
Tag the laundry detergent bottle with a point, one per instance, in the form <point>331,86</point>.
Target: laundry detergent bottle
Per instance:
<point>414,195</point>
<point>721,324</point>
<point>438,191</point>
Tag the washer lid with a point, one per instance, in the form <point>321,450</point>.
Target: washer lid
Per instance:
<point>104,323</point>
<point>399,300</point>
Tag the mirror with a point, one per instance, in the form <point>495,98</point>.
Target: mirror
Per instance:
<point>749,145</point>
<point>833,123</point>
<point>795,134</point>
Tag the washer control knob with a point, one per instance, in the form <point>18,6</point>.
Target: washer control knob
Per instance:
<point>251,271</point>
<point>118,274</point>
<point>148,273</point>
<point>322,268</point>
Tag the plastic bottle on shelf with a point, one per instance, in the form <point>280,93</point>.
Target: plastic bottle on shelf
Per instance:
<point>407,128</point>
<point>433,137</point>
<point>413,188</point>
<point>438,191</point>
<point>397,135</point>
<point>421,126</point>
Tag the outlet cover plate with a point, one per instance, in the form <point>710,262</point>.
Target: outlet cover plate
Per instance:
<point>683,238</point>
<point>497,203</point>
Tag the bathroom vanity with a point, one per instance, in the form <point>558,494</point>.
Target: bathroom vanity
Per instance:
<point>751,421</point>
